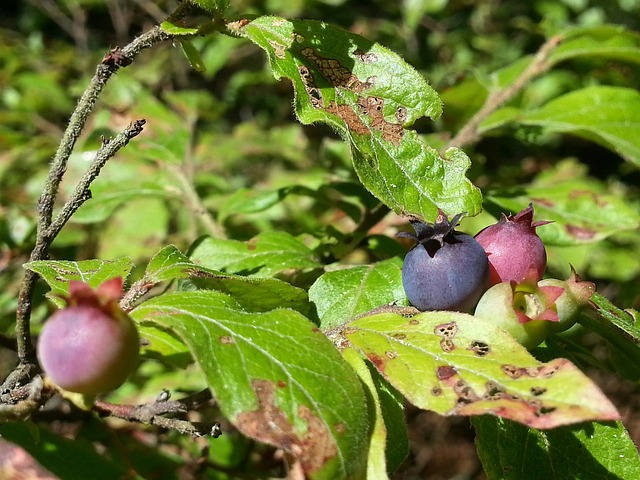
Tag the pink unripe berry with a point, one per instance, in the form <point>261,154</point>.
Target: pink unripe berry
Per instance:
<point>514,250</point>
<point>90,346</point>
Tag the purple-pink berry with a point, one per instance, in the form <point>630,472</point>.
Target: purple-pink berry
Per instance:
<point>91,346</point>
<point>514,250</point>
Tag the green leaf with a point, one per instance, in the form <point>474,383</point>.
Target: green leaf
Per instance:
<point>594,450</point>
<point>606,41</point>
<point>370,95</point>
<point>254,294</point>
<point>164,346</point>
<point>63,457</point>
<point>621,319</point>
<point>456,364</point>
<point>214,7</point>
<point>110,195</point>
<point>582,209</point>
<point>174,29</point>
<point>264,255</point>
<point>57,273</point>
<point>275,376</point>
<point>609,116</point>
<point>377,465</point>
<point>342,295</point>
<point>193,55</point>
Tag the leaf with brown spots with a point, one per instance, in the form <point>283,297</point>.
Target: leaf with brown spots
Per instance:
<point>371,96</point>
<point>456,364</point>
<point>276,377</point>
<point>582,209</point>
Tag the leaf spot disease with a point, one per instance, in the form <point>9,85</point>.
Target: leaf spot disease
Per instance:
<point>335,72</point>
<point>226,340</point>
<point>377,361</point>
<point>493,391</point>
<point>365,57</point>
<point>445,372</point>
<point>401,114</point>
<point>447,345</point>
<point>278,49</point>
<point>436,391</point>
<point>446,330</point>
<point>341,77</point>
<point>270,424</point>
<point>465,392</point>
<point>413,321</point>
<point>580,233</point>
<point>537,391</point>
<point>479,348</point>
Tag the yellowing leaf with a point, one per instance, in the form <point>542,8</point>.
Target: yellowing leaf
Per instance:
<point>456,364</point>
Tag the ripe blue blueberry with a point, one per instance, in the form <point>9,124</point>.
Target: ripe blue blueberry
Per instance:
<point>446,269</point>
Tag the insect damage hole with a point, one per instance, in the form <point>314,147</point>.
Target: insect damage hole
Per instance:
<point>479,348</point>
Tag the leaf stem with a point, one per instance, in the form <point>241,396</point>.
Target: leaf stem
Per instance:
<point>539,64</point>
<point>195,205</point>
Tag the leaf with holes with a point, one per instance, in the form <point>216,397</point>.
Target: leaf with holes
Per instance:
<point>370,95</point>
<point>456,364</point>
<point>276,377</point>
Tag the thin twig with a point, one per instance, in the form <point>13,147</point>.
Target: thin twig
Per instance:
<point>539,64</point>
<point>152,414</point>
<point>82,193</point>
<point>111,63</point>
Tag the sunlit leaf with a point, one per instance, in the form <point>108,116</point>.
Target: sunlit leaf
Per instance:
<point>275,376</point>
<point>264,255</point>
<point>58,273</point>
<point>254,294</point>
<point>342,295</point>
<point>456,364</point>
<point>609,116</point>
<point>604,41</point>
<point>370,95</point>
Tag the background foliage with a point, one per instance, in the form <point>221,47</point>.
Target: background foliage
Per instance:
<point>224,155</point>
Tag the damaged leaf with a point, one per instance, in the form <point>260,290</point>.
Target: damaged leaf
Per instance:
<point>456,364</point>
<point>371,97</point>
<point>275,376</point>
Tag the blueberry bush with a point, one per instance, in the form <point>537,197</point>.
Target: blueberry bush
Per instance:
<point>202,239</point>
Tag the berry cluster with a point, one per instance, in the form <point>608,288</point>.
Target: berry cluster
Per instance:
<point>499,272</point>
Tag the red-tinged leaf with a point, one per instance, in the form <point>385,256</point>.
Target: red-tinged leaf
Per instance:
<point>456,364</point>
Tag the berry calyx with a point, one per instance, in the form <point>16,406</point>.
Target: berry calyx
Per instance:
<point>574,298</point>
